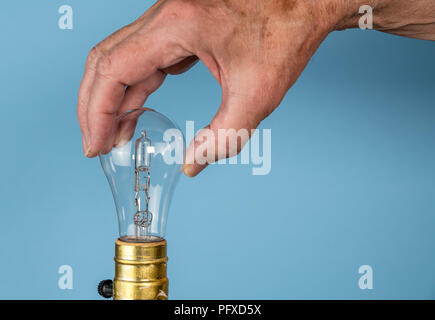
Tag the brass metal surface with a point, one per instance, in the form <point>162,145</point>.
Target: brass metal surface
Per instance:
<point>140,271</point>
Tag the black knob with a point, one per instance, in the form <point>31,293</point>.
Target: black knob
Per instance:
<point>105,288</point>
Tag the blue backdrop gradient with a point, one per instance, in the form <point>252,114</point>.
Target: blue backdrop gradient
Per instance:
<point>352,179</point>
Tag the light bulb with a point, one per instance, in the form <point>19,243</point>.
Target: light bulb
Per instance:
<point>142,168</point>
<point>142,164</point>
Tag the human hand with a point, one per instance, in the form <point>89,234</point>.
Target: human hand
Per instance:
<point>256,49</point>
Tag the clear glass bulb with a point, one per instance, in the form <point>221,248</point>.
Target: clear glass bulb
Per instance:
<point>142,167</point>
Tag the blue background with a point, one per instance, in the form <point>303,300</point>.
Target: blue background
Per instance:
<point>352,180</point>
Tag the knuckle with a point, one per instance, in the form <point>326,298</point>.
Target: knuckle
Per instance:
<point>104,64</point>
<point>93,56</point>
<point>81,103</point>
<point>99,60</point>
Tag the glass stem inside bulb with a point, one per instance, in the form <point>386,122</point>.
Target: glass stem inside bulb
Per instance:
<point>143,216</point>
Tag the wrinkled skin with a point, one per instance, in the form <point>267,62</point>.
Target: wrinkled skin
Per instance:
<point>256,50</point>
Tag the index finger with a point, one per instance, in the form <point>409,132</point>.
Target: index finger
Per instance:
<point>128,63</point>
<point>89,74</point>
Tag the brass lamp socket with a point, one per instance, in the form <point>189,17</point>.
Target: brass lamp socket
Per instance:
<point>140,271</point>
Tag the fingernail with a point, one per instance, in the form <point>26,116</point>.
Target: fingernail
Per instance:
<point>88,152</point>
<point>188,170</point>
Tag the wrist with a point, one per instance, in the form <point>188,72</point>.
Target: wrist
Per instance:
<point>344,14</point>
<point>339,14</point>
<point>415,19</point>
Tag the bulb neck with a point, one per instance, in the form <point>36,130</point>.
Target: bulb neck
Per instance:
<point>140,271</point>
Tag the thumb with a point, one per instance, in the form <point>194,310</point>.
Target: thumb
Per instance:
<point>227,133</point>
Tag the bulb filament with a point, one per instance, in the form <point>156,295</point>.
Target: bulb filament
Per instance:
<point>143,217</point>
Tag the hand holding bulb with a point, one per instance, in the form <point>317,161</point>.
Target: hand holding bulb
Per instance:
<point>256,50</point>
